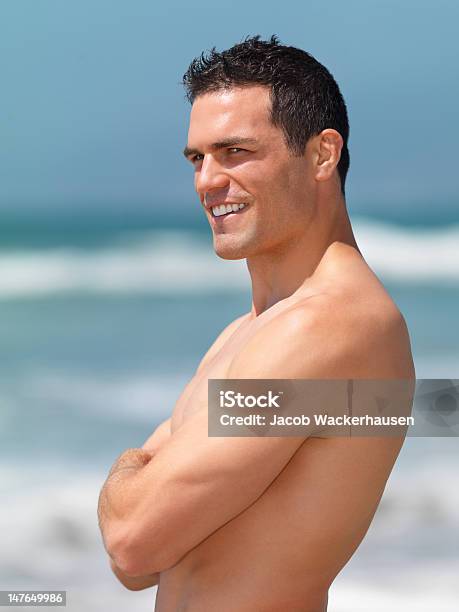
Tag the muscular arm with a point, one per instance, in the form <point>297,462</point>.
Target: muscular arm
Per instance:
<point>195,483</point>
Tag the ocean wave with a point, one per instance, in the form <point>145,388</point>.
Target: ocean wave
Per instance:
<point>410,254</point>
<point>181,262</point>
<point>135,399</point>
<point>163,262</point>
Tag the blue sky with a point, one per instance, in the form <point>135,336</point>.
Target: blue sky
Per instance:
<point>92,111</point>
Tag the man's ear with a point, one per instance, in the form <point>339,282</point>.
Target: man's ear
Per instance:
<point>329,144</point>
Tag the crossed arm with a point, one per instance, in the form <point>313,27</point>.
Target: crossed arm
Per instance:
<point>167,501</point>
<point>152,514</point>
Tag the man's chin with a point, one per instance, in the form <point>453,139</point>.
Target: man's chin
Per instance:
<point>230,255</point>
<point>229,251</point>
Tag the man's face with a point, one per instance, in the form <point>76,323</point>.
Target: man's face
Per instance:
<point>240,157</point>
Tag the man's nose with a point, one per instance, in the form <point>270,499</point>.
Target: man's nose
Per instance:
<point>210,176</point>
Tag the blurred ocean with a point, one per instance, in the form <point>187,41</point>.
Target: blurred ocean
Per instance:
<point>103,319</point>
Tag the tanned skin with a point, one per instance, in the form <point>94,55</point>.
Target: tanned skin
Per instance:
<point>263,524</point>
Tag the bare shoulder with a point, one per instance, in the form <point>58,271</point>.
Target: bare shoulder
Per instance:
<point>344,333</point>
<point>372,326</point>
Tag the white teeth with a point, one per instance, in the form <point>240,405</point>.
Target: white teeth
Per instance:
<point>224,209</point>
<point>219,210</point>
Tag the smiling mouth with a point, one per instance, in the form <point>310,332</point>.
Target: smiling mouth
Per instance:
<point>226,209</point>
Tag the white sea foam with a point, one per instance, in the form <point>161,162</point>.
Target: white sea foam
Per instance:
<point>159,263</point>
<point>171,262</point>
<point>134,398</point>
<point>430,587</point>
<point>410,254</point>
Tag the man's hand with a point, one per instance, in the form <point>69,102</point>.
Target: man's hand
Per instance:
<point>130,459</point>
<point>112,496</point>
<point>111,499</point>
<point>129,462</point>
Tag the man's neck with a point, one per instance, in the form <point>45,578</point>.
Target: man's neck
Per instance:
<point>279,274</point>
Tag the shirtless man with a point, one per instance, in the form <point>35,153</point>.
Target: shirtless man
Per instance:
<point>255,524</point>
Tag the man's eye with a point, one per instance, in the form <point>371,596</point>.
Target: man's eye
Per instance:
<point>234,149</point>
<point>196,158</point>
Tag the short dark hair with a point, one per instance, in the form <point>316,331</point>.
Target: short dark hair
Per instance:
<point>305,98</point>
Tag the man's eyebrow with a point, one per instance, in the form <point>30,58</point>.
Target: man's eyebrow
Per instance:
<point>222,144</point>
